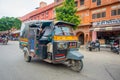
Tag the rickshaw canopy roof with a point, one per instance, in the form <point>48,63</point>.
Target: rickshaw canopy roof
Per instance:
<point>39,23</point>
<point>63,22</point>
<point>46,23</point>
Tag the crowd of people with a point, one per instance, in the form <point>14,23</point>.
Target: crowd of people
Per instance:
<point>4,35</point>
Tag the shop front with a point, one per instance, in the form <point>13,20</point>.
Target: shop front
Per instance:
<point>15,35</point>
<point>106,31</point>
<point>83,34</point>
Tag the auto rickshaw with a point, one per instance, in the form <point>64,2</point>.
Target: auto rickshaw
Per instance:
<point>55,44</point>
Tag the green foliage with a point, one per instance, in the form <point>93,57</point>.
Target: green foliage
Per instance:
<point>6,23</point>
<point>67,12</point>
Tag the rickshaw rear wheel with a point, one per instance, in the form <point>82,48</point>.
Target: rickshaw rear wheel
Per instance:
<point>76,65</point>
<point>27,58</point>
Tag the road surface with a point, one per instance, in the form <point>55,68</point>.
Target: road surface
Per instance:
<point>103,65</point>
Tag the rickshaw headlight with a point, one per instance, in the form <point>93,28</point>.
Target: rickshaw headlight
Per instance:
<point>62,45</point>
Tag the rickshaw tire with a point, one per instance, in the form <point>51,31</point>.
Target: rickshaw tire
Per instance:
<point>77,62</point>
<point>27,58</point>
<point>81,65</point>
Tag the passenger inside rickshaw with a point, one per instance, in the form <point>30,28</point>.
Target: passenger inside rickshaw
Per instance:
<point>45,34</point>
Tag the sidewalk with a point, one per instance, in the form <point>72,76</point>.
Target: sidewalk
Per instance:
<point>101,65</point>
<point>103,48</point>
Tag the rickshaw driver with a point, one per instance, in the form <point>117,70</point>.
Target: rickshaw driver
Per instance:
<point>40,33</point>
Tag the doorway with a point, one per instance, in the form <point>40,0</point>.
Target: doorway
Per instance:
<point>81,38</point>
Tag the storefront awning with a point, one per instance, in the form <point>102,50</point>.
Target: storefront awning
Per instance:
<point>15,32</point>
<point>115,28</point>
<point>2,32</point>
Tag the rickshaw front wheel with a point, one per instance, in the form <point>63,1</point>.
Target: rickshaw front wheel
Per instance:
<point>27,58</point>
<point>76,65</point>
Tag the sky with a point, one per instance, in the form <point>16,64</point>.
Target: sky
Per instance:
<point>18,8</point>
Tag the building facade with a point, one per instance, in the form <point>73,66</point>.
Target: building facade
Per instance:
<point>43,12</point>
<point>100,19</point>
<point>105,20</point>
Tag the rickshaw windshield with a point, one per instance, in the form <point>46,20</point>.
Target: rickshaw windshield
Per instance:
<point>63,30</point>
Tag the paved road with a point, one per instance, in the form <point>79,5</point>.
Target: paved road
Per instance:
<point>103,65</point>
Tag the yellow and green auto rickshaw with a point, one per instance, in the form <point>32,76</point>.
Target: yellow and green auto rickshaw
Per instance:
<point>53,42</point>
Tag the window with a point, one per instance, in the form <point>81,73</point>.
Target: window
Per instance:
<point>24,31</point>
<point>35,18</point>
<point>47,13</point>
<point>48,31</point>
<point>118,11</point>
<point>54,12</point>
<point>42,15</point>
<point>113,12</point>
<point>103,14</point>
<point>63,30</point>
<point>93,0</point>
<point>93,16</point>
<point>98,2</point>
<point>98,15</point>
<point>38,17</point>
<point>81,2</point>
<point>76,4</point>
<point>57,0</point>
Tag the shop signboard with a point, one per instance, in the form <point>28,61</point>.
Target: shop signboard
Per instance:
<point>106,22</point>
<point>108,28</point>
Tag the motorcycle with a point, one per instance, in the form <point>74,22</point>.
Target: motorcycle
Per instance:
<point>93,46</point>
<point>3,40</point>
<point>115,46</point>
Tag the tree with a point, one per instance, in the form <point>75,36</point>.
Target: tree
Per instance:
<point>6,23</point>
<point>67,12</point>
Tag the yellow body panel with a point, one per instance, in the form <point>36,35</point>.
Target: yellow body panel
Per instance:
<point>24,39</point>
<point>65,38</point>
